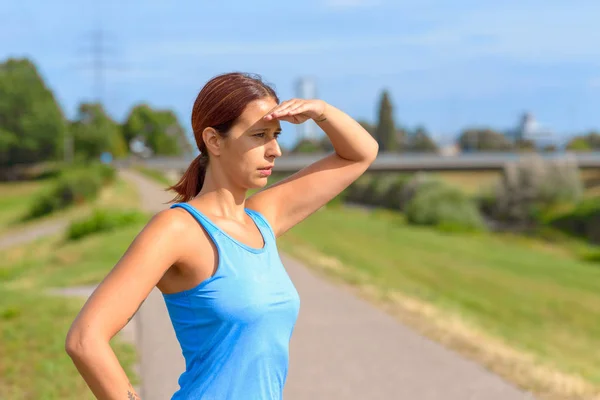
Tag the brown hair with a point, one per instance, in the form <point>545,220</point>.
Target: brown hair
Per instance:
<point>218,105</point>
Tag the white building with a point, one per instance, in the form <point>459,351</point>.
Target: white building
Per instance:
<point>306,88</point>
<point>530,129</point>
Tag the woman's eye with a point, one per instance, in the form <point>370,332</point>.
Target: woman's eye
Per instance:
<point>260,135</point>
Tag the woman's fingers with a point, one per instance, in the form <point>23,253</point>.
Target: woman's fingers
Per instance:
<point>280,109</point>
<point>298,109</point>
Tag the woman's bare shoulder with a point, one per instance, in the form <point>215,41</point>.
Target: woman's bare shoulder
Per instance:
<point>179,224</point>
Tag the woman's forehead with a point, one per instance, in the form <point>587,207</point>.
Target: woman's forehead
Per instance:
<point>255,111</point>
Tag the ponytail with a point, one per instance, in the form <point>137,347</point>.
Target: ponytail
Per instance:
<point>192,180</point>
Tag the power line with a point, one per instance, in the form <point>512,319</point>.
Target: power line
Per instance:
<point>97,50</point>
<point>98,47</point>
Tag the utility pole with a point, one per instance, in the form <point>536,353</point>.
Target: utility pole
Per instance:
<point>97,49</point>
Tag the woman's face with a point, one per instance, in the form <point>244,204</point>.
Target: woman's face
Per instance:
<point>251,147</point>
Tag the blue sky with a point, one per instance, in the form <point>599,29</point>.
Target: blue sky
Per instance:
<point>447,65</point>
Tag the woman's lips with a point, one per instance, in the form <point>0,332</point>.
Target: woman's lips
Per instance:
<point>265,171</point>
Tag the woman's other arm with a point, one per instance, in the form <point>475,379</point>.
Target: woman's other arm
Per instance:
<point>114,302</point>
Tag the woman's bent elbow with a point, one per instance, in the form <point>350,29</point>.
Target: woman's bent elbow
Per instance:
<point>73,344</point>
<point>77,343</point>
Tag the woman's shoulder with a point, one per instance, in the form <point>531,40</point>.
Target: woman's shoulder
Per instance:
<point>171,220</point>
<point>174,223</point>
<point>177,222</point>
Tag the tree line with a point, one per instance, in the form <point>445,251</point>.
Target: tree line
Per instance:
<point>34,128</point>
<point>394,138</point>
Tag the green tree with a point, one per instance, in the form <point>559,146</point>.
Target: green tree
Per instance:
<point>525,145</point>
<point>421,142</point>
<point>369,127</point>
<point>588,142</point>
<point>159,129</point>
<point>476,139</point>
<point>308,146</point>
<point>579,144</point>
<point>94,132</point>
<point>326,144</point>
<point>32,124</point>
<point>385,134</point>
<point>549,148</point>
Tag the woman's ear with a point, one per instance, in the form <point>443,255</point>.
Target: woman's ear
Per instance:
<point>212,140</point>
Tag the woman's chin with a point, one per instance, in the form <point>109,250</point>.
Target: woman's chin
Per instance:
<point>259,183</point>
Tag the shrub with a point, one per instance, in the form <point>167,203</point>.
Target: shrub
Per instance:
<point>375,192</point>
<point>390,191</point>
<point>72,187</point>
<point>106,172</point>
<point>103,220</point>
<point>445,207</point>
<point>356,192</point>
<point>415,184</point>
<point>530,186</point>
<point>392,198</point>
<point>582,221</point>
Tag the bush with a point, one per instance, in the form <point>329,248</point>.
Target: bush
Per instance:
<point>103,220</point>
<point>72,187</point>
<point>415,184</point>
<point>392,198</point>
<point>445,207</point>
<point>582,221</point>
<point>356,192</point>
<point>529,187</point>
<point>107,173</point>
<point>390,191</point>
<point>375,192</point>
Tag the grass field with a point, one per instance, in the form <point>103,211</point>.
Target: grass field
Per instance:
<point>537,303</point>
<point>33,363</point>
<point>155,175</point>
<point>33,323</point>
<point>15,199</point>
<point>591,179</point>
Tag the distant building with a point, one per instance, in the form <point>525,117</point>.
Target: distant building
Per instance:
<point>306,88</point>
<point>448,150</point>
<point>527,126</point>
<point>529,129</point>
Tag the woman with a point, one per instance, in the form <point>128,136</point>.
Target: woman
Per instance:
<point>213,253</point>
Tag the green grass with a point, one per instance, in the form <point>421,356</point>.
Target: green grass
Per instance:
<point>156,175</point>
<point>536,297</point>
<point>17,197</point>
<point>33,324</point>
<point>57,262</point>
<point>33,362</point>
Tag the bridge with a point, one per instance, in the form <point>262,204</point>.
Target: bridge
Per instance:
<point>392,162</point>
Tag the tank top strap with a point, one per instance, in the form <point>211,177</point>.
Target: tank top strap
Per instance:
<point>262,223</point>
<point>206,223</point>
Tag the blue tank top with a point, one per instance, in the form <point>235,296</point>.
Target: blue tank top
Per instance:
<point>234,328</point>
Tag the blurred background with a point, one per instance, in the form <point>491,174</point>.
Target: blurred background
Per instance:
<point>478,226</point>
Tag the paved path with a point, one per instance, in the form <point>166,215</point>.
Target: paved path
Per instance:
<point>342,347</point>
<point>31,233</point>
